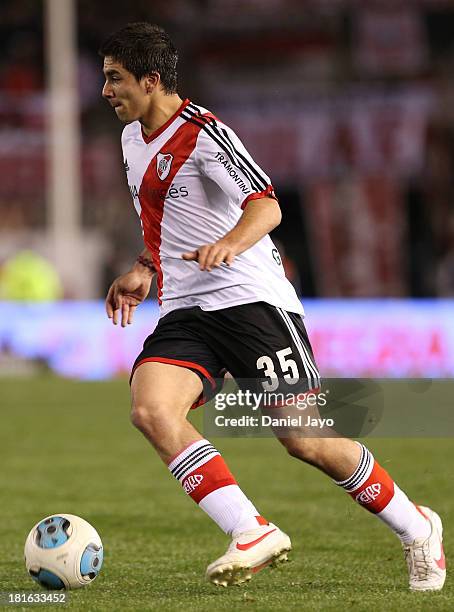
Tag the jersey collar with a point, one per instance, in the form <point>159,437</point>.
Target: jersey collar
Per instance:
<point>156,133</point>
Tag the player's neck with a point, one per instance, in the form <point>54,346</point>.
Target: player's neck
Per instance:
<point>160,112</point>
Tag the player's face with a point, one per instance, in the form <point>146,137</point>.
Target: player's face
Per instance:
<point>123,92</point>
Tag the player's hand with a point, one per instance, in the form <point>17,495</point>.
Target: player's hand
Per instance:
<point>213,255</point>
<point>125,294</point>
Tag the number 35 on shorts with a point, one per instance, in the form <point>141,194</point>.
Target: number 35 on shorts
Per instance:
<point>289,369</point>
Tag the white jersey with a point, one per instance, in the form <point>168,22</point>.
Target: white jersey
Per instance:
<point>190,181</point>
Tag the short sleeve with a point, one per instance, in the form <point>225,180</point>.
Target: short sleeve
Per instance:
<point>222,157</point>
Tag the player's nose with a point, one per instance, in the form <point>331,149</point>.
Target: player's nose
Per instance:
<point>106,90</point>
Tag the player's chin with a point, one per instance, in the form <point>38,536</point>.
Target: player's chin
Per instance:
<point>122,114</point>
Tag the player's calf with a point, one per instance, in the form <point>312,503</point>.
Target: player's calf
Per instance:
<point>337,457</point>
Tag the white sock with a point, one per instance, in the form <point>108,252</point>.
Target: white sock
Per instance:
<point>204,476</point>
<point>231,510</point>
<point>402,516</point>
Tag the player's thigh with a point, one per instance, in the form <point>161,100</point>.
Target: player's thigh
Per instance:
<point>164,390</point>
<point>176,369</point>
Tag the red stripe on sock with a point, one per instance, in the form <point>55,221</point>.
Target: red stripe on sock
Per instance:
<point>212,475</point>
<point>376,492</point>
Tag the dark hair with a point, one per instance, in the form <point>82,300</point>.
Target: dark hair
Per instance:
<point>143,48</point>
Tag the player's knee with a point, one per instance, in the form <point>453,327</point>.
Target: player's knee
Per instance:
<point>309,450</point>
<point>140,417</point>
<point>151,418</point>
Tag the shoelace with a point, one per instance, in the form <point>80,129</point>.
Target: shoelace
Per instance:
<point>418,558</point>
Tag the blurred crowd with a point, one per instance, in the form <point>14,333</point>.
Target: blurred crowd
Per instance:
<point>348,106</point>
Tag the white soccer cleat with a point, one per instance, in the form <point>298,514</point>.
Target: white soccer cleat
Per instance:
<point>426,558</point>
<point>248,553</point>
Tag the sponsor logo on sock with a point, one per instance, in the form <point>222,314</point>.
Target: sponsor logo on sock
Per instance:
<point>369,494</point>
<point>249,545</point>
<point>192,482</point>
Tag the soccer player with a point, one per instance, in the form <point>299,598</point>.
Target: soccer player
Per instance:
<point>206,209</point>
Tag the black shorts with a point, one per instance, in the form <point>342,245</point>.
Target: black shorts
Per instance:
<point>262,346</point>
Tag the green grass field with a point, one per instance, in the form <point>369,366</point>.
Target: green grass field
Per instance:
<point>68,447</point>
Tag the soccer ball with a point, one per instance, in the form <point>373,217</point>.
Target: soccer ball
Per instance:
<point>63,551</point>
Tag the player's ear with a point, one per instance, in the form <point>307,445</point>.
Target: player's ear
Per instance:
<point>151,82</point>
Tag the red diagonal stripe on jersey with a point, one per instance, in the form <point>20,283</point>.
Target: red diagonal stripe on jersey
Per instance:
<point>153,190</point>
<point>249,545</point>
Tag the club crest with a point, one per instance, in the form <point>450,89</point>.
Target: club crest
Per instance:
<point>164,162</point>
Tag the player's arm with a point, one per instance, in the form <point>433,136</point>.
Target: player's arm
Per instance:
<point>221,157</point>
<point>130,289</point>
<point>259,217</point>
